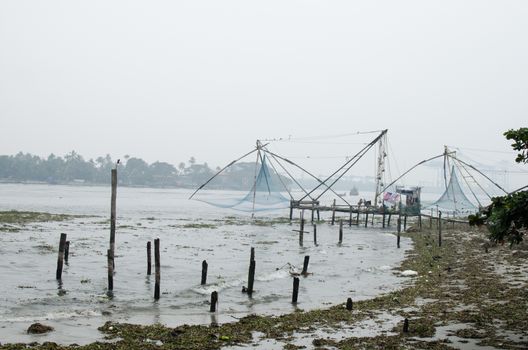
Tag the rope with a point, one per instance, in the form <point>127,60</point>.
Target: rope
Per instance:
<point>220,171</point>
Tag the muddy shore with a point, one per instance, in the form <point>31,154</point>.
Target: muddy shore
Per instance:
<point>467,294</point>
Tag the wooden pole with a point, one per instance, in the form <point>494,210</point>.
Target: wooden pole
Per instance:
<point>291,211</point>
<point>60,259</point>
<point>388,220</point>
<point>383,219</point>
<point>340,231</point>
<point>305,265</point>
<point>301,233</point>
<point>406,326</point>
<point>405,223</point>
<point>214,301</point>
<point>357,218</point>
<point>295,293</point>
<point>440,229</point>
<point>251,272</point>
<point>113,213</point>
<point>349,304</point>
<point>333,212</point>
<point>110,263</point>
<point>149,259</point>
<point>398,235</point>
<point>420,221</point>
<point>204,273</point>
<point>350,217</point>
<point>251,277</point>
<point>313,212</point>
<point>315,234</point>
<point>66,252</point>
<point>431,219</point>
<point>157,268</point>
<point>366,218</point>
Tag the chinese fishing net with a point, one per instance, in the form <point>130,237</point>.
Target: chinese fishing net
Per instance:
<point>247,186</point>
<point>453,200</point>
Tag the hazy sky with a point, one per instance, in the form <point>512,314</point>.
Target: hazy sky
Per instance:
<point>166,80</point>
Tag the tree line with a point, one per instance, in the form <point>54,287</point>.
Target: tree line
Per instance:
<point>73,168</point>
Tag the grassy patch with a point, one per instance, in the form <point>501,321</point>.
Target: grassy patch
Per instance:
<point>13,220</point>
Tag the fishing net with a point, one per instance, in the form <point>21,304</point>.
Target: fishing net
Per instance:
<point>454,200</point>
<point>248,187</point>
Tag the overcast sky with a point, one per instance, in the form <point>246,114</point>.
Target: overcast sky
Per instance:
<point>167,80</point>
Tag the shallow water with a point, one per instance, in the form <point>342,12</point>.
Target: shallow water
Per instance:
<point>359,268</point>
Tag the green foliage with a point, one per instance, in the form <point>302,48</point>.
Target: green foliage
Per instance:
<point>507,216</point>
<point>73,168</point>
<point>520,138</point>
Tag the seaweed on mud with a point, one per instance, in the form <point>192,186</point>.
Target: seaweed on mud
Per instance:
<point>13,220</point>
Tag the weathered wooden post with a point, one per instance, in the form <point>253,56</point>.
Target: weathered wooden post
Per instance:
<point>301,233</point>
<point>405,223</point>
<point>366,217</point>
<point>340,231</point>
<point>313,211</point>
<point>406,326</point>
<point>110,263</point>
<point>113,213</point>
<point>60,259</point>
<point>439,228</point>
<point>204,273</point>
<point>388,220</point>
<point>214,301</point>
<point>251,277</point>
<point>349,304</point>
<point>398,235</point>
<point>350,217</point>
<point>251,273</point>
<point>333,212</point>
<point>357,218</point>
<point>295,290</point>
<point>149,259</point>
<point>291,210</point>
<point>383,219</point>
<point>305,265</point>
<point>66,252</point>
<point>315,234</point>
<point>157,268</point>
<point>431,219</point>
<point>420,221</point>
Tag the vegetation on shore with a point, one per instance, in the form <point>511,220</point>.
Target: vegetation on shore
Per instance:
<point>13,220</point>
<point>73,168</point>
<point>507,216</point>
<point>458,286</point>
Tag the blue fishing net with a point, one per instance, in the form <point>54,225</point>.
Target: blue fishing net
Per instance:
<point>247,192</point>
<point>453,200</point>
